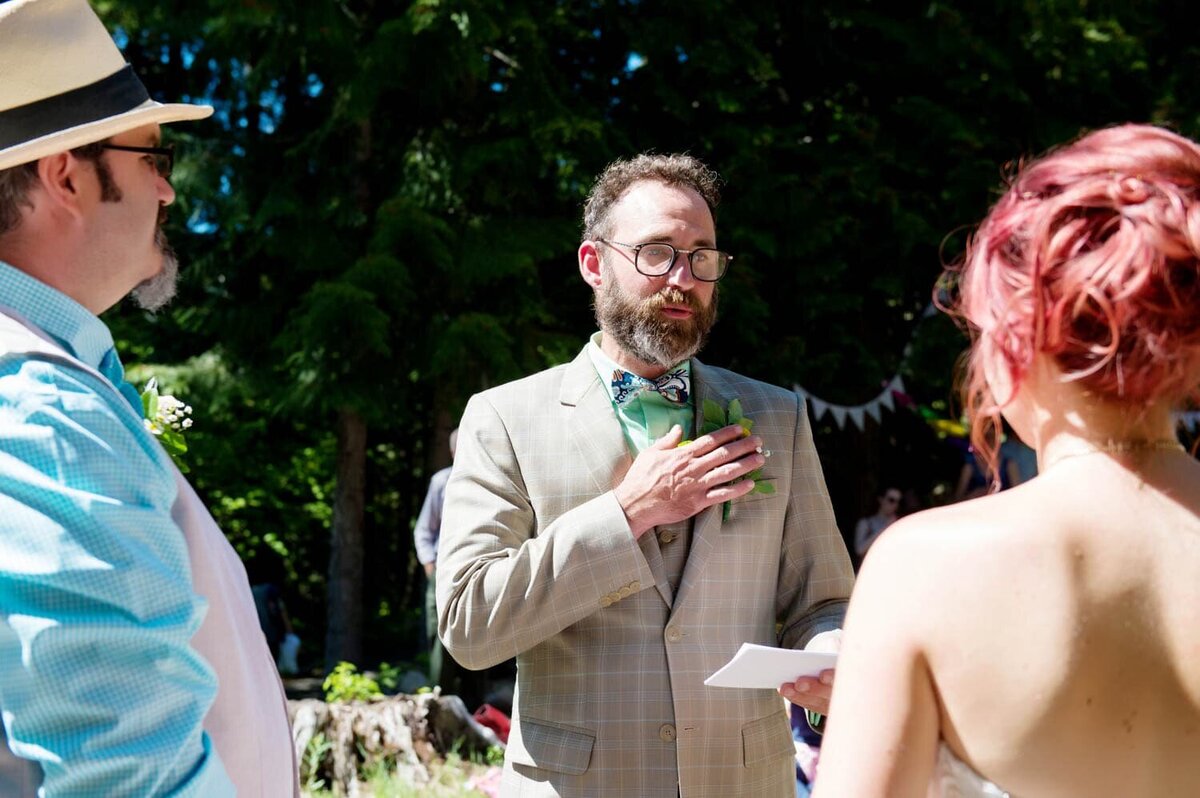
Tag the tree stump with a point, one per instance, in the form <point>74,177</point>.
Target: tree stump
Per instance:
<point>341,744</point>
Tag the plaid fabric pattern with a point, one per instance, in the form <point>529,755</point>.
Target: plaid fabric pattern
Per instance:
<point>537,562</point>
<point>99,685</point>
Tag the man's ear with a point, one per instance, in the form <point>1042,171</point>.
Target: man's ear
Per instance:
<point>589,264</point>
<point>60,178</point>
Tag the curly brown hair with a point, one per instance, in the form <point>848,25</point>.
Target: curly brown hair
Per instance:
<point>618,176</point>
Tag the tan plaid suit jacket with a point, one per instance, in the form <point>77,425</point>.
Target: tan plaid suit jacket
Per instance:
<point>536,560</point>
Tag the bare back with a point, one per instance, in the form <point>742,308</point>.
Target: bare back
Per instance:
<point>1065,653</point>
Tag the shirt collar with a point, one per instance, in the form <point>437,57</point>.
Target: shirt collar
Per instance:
<point>69,323</point>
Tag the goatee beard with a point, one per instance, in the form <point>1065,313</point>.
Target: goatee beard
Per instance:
<point>640,329</point>
<point>156,292</point>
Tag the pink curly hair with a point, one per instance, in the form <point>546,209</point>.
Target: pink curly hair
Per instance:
<point>1092,256</point>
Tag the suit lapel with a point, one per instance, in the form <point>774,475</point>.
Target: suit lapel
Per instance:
<point>706,529</point>
<point>597,437</point>
<point>600,444</point>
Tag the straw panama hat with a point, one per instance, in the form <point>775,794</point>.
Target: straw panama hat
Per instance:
<point>64,83</point>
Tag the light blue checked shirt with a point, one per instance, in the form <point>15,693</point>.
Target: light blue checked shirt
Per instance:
<point>98,682</point>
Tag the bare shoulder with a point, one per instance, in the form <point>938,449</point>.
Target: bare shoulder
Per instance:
<point>937,554</point>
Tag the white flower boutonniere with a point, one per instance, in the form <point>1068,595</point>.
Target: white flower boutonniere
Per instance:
<point>166,418</point>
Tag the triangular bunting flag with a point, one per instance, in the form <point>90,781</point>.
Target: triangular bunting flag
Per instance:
<point>886,398</point>
<point>839,415</point>
<point>873,410</point>
<point>856,415</point>
<point>818,407</point>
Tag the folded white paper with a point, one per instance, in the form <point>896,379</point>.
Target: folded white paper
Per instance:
<point>765,666</point>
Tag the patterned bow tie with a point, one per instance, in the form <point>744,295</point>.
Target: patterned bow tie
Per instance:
<point>674,386</point>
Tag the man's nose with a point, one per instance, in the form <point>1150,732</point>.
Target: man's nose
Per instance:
<point>166,192</point>
<point>680,274</point>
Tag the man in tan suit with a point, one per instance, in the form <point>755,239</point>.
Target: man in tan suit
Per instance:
<point>582,538</point>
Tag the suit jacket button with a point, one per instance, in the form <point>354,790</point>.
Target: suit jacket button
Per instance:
<point>666,733</point>
<point>674,635</point>
<point>666,537</point>
<point>625,592</point>
<point>606,601</point>
<point>635,585</point>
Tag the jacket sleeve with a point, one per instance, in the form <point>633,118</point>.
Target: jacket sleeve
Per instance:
<point>504,582</point>
<point>815,575</point>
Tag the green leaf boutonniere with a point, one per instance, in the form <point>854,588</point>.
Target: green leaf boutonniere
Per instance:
<point>716,417</point>
<point>166,417</point>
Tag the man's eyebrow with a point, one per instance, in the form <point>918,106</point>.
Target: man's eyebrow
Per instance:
<point>665,238</point>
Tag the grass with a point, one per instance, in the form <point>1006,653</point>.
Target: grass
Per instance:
<point>448,779</point>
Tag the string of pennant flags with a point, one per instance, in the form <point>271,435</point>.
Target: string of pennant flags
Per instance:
<point>893,392</point>
<point>858,414</point>
<point>884,400</point>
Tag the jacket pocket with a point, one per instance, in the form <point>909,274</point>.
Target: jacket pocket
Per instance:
<point>767,739</point>
<point>551,746</point>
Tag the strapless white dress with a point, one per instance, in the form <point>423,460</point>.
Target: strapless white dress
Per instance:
<point>953,778</point>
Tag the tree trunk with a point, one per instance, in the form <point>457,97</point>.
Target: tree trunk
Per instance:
<point>343,637</point>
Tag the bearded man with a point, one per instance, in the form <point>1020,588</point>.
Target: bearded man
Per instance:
<point>131,659</point>
<point>620,564</point>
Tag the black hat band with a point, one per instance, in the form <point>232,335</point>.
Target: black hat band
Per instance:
<point>114,95</point>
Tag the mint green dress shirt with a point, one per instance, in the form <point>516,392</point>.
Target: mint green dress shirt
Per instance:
<point>99,685</point>
<point>648,416</point>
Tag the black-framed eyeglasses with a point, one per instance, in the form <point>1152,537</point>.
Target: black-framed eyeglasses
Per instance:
<point>655,259</point>
<point>164,157</point>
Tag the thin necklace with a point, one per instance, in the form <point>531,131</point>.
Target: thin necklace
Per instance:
<point>1136,446</point>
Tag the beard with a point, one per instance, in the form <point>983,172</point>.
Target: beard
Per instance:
<point>640,329</point>
<point>156,292</point>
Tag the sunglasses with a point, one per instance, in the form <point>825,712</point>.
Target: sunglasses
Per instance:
<point>164,157</point>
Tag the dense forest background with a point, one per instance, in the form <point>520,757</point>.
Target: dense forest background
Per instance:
<point>381,219</point>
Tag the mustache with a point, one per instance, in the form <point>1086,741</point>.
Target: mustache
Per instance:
<point>673,296</point>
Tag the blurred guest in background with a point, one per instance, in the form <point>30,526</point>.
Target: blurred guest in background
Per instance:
<point>869,528</point>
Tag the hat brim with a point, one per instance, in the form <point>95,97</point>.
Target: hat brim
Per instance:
<point>148,113</point>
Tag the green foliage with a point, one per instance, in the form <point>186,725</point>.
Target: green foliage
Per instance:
<point>311,762</point>
<point>345,684</point>
<point>449,778</point>
<point>717,417</point>
<point>389,677</point>
<point>383,214</point>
